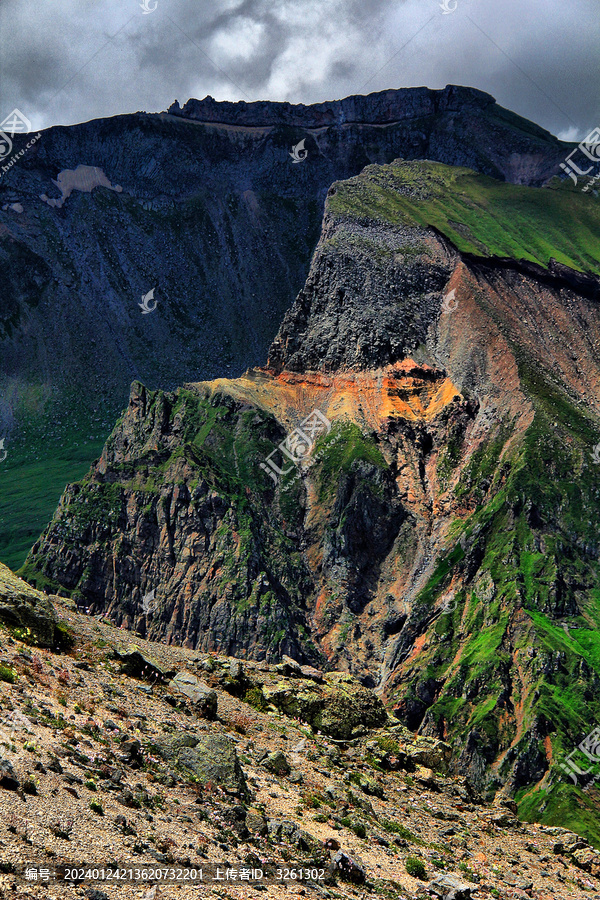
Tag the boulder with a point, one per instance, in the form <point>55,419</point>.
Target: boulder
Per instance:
<point>256,822</point>
<point>368,785</point>
<point>312,673</point>
<point>587,859</point>
<point>289,667</point>
<point>291,833</point>
<point>203,698</point>
<point>349,868</point>
<point>341,707</point>
<point>350,709</point>
<point>8,779</point>
<point>139,665</point>
<point>449,887</point>
<point>22,607</point>
<point>235,682</point>
<point>504,819</point>
<point>431,754</point>
<point>209,757</point>
<point>426,777</point>
<point>277,763</point>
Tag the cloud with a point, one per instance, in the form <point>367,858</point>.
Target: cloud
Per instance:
<point>68,61</point>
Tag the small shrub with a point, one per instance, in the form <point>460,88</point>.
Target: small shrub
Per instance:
<point>63,638</point>
<point>312,801</point>
<point>97,807</point>
<point>61,828</point>
<point>467,871</point>
<point>415,868</point>
<point>254,697</point>
<point>7,674</point>
<point>24,635</point>
<point>359,829</point>
<point>90,785</point>
<point>386,742</point>
<point>401,830</point>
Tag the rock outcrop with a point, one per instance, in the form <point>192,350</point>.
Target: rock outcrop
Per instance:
<point>29,613</point>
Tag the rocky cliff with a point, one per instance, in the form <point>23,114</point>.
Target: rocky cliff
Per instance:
<point>204,206</point>
<point>432,528</point>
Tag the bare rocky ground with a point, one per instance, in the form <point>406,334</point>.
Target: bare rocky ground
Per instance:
<point>117,766</point>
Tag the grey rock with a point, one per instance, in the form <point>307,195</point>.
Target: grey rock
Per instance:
<point>289,668</point>
<point>209,757</point>
<point>203,697</point>
<point>349,868</point>
<point>256,822</point>
<point>449,887</point>
<point>8,778</point>
<point>140,665</point>
<point>277,763</point>
<point>236,670</point>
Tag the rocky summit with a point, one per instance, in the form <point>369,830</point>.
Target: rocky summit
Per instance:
<point>342,606</point>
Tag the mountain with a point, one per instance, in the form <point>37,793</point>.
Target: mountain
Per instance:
<point>205,207</point>
<point>437,382</point>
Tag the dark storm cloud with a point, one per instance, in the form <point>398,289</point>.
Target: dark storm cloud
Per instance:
<point>66,61</point>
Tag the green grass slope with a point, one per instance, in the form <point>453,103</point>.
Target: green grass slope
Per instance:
<point>478,214</point>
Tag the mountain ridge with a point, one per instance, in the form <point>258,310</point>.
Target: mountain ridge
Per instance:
<point>218,220</point>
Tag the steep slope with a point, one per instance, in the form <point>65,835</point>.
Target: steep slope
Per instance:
<point>205,206</point>
<point>440,530</point>
<point>137,777</point>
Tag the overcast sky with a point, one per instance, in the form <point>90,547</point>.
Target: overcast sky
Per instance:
<point>66,61</point>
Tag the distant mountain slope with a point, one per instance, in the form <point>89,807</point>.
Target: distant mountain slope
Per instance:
<point>439,540</point>
<point>206,207</point>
